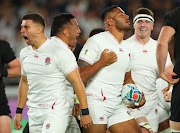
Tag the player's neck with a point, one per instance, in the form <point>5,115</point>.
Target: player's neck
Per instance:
<point>39,41</point>
<point>117,34</point>
<point>142,40</point>
<point>63,38</point>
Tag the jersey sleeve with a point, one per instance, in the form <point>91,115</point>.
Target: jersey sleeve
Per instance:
<point>21,57</point>
<point>66,61</point>
<point>89,52</point>
<point>8,52</point>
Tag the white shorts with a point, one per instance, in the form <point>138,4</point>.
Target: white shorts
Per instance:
<point>163,112</point>
<point>73,126</point>
<point>109,111</point>
<point>161,84</point>
<point>150,112</point>
<point>48,120</point>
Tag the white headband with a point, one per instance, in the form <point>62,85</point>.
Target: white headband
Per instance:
<point>142,17</point>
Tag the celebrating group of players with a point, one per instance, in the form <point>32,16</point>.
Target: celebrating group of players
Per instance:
<point>50,75</point>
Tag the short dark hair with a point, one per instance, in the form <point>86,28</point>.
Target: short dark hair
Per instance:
<point>143,11</point>
<point>36,18</point>
<point>59,22</point>
<point>96,31</point>
<point>107,10</point>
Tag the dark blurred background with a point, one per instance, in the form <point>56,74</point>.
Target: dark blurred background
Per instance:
<point>87,13</point>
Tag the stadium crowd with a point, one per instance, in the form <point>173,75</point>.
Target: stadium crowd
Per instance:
<point>87,13</point>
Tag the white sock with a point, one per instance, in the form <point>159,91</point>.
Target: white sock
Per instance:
<point>168,130</point>
<point>175,131</point>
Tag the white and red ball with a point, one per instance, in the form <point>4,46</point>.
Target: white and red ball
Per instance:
<point>131,94</point>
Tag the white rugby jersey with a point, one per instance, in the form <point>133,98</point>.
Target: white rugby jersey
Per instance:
<point>69,93</point>
<point>144,69</point>
<point>46,69</point>
<point>109,80</point>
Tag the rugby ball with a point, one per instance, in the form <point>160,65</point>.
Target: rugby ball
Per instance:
<point>131,94</point>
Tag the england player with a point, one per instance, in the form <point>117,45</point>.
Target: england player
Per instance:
<point>72,124</point>
<point>45,66</point>
<point>103,90</point>
<point>144,68</point>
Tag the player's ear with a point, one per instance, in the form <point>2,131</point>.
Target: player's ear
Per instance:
<point>110,21</point>
<point>65,32</point>
<point>39,29</point>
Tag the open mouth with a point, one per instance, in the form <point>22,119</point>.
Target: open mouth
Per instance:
<point>25,37</point>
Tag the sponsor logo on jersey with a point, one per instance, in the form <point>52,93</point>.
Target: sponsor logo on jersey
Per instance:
<point>128,113</point>
<point>101,118</point>
<point>36,56</point>
<point>47,126</point>
<point>145,51</point>
<point>47,61</point>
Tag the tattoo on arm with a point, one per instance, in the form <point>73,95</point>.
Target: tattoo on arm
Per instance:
<point>82,63</point>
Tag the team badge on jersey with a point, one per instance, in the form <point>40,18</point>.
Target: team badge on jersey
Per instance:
<point>156,111</point>
<point>47,126</point>
<point>47,61</point>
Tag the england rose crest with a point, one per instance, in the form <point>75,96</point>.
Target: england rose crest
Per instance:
<point>47,61</point>
<point>47,126</point>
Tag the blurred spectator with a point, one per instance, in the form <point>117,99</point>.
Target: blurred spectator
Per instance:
<point>87,13</point>
<point>89,22</point>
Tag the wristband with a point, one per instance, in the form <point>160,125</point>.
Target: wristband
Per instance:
<point>19,110</point>
<point>4,72</point>
<point>85,111</point>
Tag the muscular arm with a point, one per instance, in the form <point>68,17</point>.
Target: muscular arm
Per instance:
<point>165,36</point>
<point>23,90</point>
<point>22,98</point>
<point>75,80</point>
<point>87,71</point>
<point>169,68</point>
<point>14,68</point>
